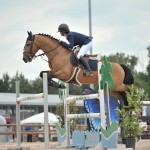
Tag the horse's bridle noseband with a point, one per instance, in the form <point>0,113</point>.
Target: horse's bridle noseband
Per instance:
<point>30,42</point>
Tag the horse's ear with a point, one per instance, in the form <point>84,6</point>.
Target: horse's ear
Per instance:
<point>29,34</point>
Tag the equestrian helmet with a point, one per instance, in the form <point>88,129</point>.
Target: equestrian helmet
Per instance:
<point>63,28</point>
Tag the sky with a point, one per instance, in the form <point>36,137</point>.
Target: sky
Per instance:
<point>117,26</point>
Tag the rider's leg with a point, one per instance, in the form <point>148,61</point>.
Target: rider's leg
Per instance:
<point>86,66</point>
<point>81,53</point>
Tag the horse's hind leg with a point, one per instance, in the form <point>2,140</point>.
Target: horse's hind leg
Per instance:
<point>120,95</point>
<point>50,81</point>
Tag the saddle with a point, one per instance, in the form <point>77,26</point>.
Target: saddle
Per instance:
<point>91,59</point>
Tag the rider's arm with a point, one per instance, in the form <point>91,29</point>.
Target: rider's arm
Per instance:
<point>70,38</point>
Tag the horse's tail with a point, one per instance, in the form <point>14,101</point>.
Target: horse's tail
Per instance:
<point>128,80</point>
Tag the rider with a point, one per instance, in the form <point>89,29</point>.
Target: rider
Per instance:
<point>74,39</point>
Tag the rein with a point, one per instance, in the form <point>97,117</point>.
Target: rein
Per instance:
<point>45,52</point>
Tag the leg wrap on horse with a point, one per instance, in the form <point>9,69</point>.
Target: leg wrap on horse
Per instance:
<point>56,85</point>
<point>49,76</point>
<point>50,81</point>
<point>42,72</point>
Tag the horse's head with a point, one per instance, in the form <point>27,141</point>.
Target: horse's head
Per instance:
<point>30,48</point>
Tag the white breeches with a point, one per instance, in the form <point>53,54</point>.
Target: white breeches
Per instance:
<point>84,49</point>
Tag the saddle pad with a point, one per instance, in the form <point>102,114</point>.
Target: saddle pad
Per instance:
<point>92,63</point>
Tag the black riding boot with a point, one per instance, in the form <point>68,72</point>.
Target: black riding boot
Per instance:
<point>88,71</point>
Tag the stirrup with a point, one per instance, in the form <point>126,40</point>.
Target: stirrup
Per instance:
<point>87,73</point>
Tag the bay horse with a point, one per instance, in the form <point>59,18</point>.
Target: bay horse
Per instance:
<point>59,61</point>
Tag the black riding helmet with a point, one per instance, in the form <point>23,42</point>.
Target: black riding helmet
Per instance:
<point>63,28</point>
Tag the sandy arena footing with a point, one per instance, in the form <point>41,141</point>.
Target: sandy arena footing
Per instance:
<point>140,145</point>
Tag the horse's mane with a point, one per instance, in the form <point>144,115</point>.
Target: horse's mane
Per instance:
<point>50,36</point>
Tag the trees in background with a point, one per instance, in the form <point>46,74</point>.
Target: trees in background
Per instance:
<point>142,79</point>
<point>121,58</point>
<point>7,84</point>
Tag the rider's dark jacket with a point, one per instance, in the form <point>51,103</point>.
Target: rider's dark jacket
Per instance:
<point>75,39</point>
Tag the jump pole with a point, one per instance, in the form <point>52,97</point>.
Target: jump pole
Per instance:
<point>36,96</point>
<point>46,124</point>
<point>145,103</point>
<point>18,116</point>
<point>108,121</point>
<point>66,111</point>
<point>101,96</point>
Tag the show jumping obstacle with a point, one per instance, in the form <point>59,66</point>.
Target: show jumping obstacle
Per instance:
<point>61,67</point>
<point>101,115</point>
<point>70,116</point>
<point>44,97</point>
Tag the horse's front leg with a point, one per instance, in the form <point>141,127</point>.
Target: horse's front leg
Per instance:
<point>51,82</point>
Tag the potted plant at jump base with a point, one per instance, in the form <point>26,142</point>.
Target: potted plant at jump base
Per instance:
<point>130,116</point>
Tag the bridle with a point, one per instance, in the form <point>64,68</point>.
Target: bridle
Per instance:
<point>29,42</point>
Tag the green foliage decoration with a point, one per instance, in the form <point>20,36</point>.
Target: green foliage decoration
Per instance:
<point>106,76</point>
<point>130,115</point>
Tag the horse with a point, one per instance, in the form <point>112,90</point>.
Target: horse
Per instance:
<point>61,67</point>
